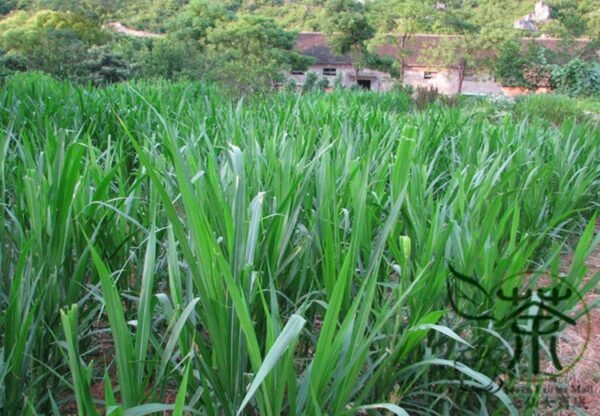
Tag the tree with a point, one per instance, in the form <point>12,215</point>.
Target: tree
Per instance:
<point>511,65</point>
<point>49,41</point>
<point>229,42</point>
<point>22,32</point>
<point>470,49</point>
<point>567,20</point>
<point>256,44</point>
<point>6,6</point>
<point>198,18</point>
<point>59,52</point>
<point>103,66</point>
<point>303,15</point>
<point>98,11</point>
<point>349,30</point>
<point>168,58</point>
<point>10,64</point>
<point>404,18</point>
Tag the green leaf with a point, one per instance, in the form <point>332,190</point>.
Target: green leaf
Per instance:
<point>397,410</point>
<point>443,330</point>
<point>120,333</point>
<point>286,338</point>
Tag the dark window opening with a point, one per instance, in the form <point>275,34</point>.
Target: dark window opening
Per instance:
<point>329,71</point>
<point>428,75</point>
<point>364,83</point>
<point>297,72</point>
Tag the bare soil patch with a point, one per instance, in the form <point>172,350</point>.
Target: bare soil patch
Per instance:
<point>580,387</point>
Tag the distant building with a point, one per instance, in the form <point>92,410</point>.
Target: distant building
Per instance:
<point>331,66</point>
<point>423,64</point>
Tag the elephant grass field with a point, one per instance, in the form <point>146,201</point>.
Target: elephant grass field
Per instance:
<point>165,249</point>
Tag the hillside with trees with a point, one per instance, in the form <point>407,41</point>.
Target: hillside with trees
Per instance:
<point>568,18</point>
<point>211,40</point>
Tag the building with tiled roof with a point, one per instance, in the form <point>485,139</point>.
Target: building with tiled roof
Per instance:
<point>423,62</point>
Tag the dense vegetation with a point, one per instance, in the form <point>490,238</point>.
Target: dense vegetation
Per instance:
<point>279,255</point>
<point>210,40</point>
<point>574,17</point>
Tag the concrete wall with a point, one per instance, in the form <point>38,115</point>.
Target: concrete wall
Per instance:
<point>481,84</point>
<point>380,81</point>
<point>445,80</point>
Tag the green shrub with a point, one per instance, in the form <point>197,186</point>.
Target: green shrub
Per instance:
<point>60,53</point>
<point>577,78</point>
<point>290,86</point>
<point>322,84</point>
<point>511,65</point>
<point>7,6</point>
<point>310,81</point>
<point>24,31</point>
<point>168,58</point>
<point>400,87</point>
<point>552,107</point>
<point>425,96</point>
<point>10,63</point>
<point>103,66</point>
<point>338,84</point>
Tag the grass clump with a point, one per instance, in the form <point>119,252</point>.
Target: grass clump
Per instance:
<point>557,108</point>
<point>284,255</point>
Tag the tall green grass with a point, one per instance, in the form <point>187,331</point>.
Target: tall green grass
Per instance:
<point>283,255</point>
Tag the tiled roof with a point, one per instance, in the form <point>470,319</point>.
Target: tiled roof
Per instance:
<point>558,44</point>
<point>420,49</point>
<point>423,50</point>
<point>315,44</point>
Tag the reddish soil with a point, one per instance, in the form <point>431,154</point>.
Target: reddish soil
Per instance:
<point>514,91</point>
<point>580,387</point>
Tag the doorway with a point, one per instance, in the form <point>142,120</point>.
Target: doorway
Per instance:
<point>364,83</point>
